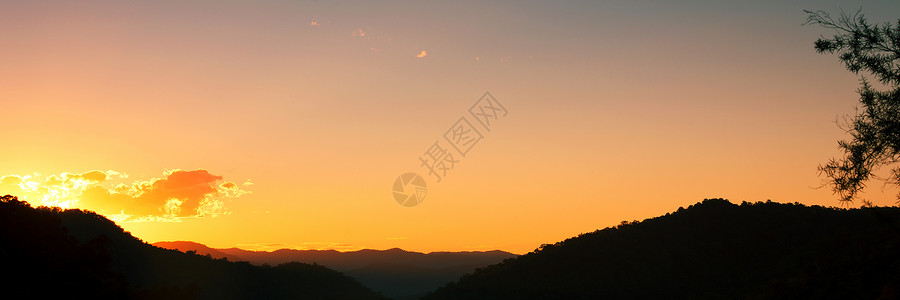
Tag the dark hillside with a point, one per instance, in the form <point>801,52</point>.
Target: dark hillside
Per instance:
<point>711,250</point>
<point>48,252</point>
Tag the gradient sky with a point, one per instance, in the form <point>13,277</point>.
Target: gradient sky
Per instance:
<point>283,124</point>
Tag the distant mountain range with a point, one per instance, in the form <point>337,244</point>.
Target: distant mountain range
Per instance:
<point>396,273</point>
<point>711,250</point>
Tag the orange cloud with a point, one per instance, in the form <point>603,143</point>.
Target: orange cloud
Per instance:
<point>421,55</point>
<point>178,194</point>
<point>70,179</point>
<point>11,180</point>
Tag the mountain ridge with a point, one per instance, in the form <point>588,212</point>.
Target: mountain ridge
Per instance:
<point>394,272</point>
<point>183,246</point>
<point>711,250</point>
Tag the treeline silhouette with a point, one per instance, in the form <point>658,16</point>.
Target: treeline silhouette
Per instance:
<point>711,250</point>
<point>50,252</point>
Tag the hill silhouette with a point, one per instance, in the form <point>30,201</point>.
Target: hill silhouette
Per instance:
<point>50,252</point>
<point>185,246</point>
<point>396,273</point>
<point>711,250</point>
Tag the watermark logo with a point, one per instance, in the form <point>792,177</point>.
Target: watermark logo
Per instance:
<point>443,155</point>
<point>410,189</point>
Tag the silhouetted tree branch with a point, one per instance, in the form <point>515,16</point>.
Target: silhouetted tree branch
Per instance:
<point>875,128</point>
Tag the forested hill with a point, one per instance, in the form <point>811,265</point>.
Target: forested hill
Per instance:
<point>49,252</point>
<point>711,250</point>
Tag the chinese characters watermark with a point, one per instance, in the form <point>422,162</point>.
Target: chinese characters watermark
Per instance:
<point>443,155</point>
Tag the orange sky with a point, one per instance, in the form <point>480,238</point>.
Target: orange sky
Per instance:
<point>284,124</point>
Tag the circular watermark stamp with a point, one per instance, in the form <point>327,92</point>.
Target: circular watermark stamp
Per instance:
<point>409,189</point>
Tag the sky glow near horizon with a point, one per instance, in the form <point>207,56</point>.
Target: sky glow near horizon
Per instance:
<point>284,124</point>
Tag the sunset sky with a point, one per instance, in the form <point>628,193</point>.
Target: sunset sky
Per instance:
<point>283,124</point>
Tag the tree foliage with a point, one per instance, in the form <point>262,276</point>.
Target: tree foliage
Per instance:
<point>873,49</point>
